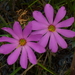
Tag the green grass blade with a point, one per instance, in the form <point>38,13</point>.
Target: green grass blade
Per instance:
<point>32,3</point>
<point>68,72</point>
<point>48,70</point>
<point>2,19</point>
<point>13,73</point>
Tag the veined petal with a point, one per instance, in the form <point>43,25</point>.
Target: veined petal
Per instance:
<point>37,47</point>
<point>37,25</point>
<point>8,39</point>
<point>9,30</point>
<point>44,40</point>
<point>60,15</point>
<point>61,42</point>
<point>38,16</point>
<point>66,23</point>
<point>27,29</point>
<point>31,55</point>
<point>7,48</point>
<point>12,58</point>
<point>17,29</point>
<point>24,59</point>
<point>53,44</point>
<point>49,12</point>
<point>35,37</point>
<point>66,33</point>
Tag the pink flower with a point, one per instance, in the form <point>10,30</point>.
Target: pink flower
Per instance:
<point>21,44</point>
<point>50,28</point>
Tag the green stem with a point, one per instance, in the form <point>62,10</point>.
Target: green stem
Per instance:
<point>49,1</point>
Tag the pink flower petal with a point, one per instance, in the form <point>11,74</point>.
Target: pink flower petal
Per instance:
<point>7,48</point>
<point>9,30</point>
<point>37,47</point>
<point>37,26</point>
<point>66,33</point>
<point>60,15</point>
<point>35,37</point>
<point>61,42</point>
<point>23,59</point>
<point>31,55</point>
<point>8,39</point>
<point>66,23</point>
<point>27,30</point>
<point>49,12</point>
<point>17,29</point>
<point>53,44</point>
<point>44,40</point>
<point>40,31</point>
<point>12,58</point>
<point>38,16</point>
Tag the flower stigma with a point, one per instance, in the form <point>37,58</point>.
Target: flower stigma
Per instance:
<point>51,28</point>
<point>22,42</point>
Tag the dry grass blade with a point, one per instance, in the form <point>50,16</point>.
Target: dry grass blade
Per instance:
<point>24,73</point>
<point>73,65</point>
<point>73,62</point>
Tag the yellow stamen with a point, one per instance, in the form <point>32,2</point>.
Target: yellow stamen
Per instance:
<point>51,28</point>
<point>22,42</point>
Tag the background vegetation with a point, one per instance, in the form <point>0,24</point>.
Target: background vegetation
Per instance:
<point>60,63</point>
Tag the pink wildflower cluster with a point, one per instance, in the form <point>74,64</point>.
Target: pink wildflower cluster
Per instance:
<point>23,42</point>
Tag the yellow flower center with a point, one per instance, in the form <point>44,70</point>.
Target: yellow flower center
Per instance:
<point>22,42</point>
<point>51,28</point>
